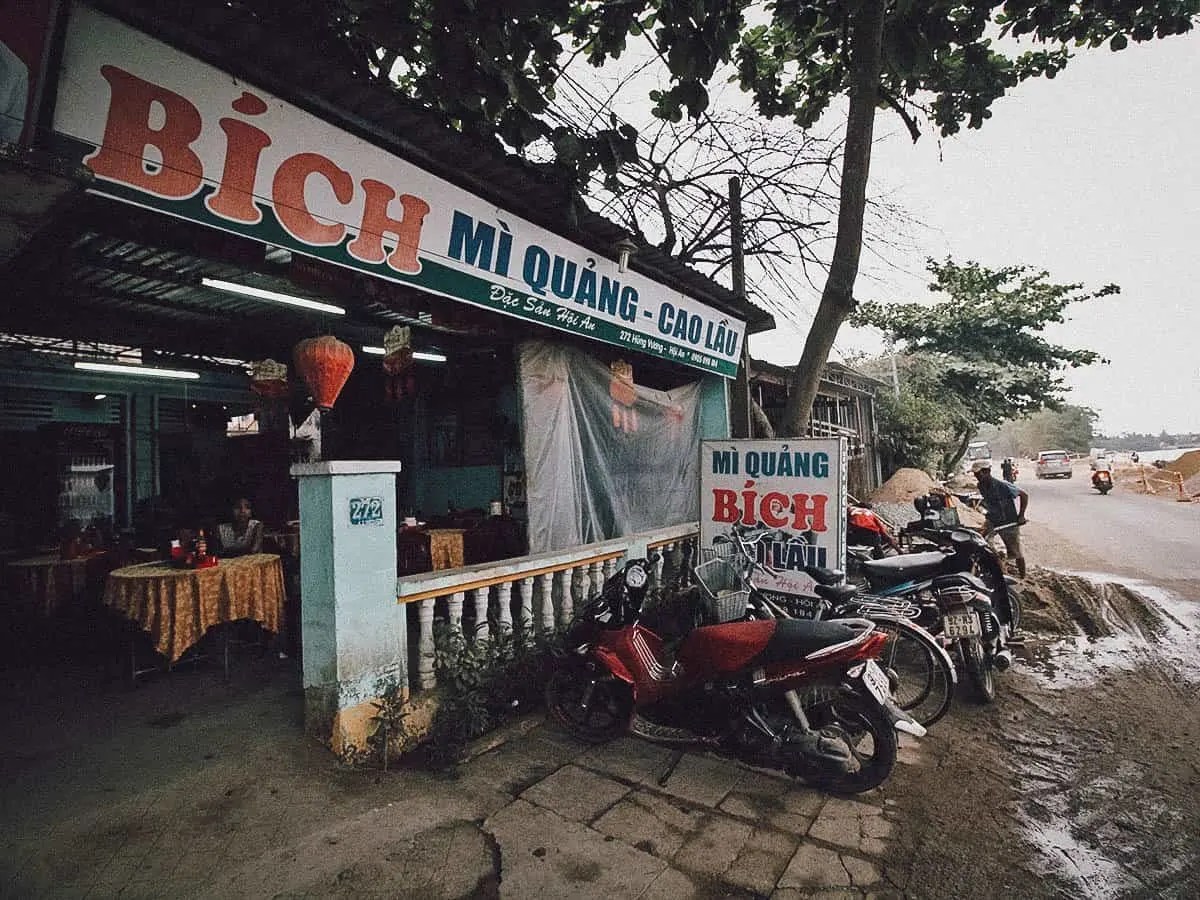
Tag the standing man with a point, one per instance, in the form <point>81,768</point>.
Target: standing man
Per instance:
<point>1005,503</point>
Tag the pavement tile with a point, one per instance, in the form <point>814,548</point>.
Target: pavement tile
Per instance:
<point>575,793</point>
<point>545,855</point>
<point>513,770</point>
<point>713,847</point>
<point>764,858</point>
<point>674,885</point>
<point>815,867</point>
<point>651,823</point>
<point>852,826</point>
<point>782,803</point>
<point>629,758</point>
<point>702,779</point>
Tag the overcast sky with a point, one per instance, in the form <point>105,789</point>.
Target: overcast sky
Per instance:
<point>1093,176</point>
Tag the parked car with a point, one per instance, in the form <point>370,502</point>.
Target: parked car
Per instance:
<point>1053,464</point>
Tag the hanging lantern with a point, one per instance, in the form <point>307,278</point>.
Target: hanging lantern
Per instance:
<point>325,364</point>
<point>398,363</point>
<point>624,394</point>
<point>268,379</point>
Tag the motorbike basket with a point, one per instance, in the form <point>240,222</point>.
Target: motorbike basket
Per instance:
<point>724,596</point>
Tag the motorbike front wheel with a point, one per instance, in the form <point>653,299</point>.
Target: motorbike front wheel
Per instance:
<point>979,668</point>
<point>591,704</point>
<point>864,726</point>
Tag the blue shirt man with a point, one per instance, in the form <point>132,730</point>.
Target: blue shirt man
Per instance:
<point>1005,504</point>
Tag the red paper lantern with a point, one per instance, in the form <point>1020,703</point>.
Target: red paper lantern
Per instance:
<point>325,364</point>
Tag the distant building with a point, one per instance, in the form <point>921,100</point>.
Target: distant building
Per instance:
<point>844,407</point>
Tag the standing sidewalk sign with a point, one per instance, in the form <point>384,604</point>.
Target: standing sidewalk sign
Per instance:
<point>795,487</point>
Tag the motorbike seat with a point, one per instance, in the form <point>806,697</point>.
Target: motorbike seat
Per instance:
<point>836,593</point>
<point>795,639</point>
<point>824,576</point>
<point>906,567</point>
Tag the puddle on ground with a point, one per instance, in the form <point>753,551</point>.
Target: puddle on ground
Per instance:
<point>1092,830</point>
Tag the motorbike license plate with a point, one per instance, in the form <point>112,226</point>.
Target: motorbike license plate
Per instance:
<point>961,625</point>
<point>876,681</point>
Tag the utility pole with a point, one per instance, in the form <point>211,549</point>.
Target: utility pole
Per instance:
<point>739,401</point>
<point>895,374</point>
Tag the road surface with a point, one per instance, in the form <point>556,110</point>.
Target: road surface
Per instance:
<point>1152,538</point>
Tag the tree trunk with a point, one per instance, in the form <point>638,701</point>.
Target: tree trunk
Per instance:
<point>761,426</point>
<point>964,438</point>
<point>837,300</point>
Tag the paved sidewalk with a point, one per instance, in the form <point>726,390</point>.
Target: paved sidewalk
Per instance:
<point>192,787</point>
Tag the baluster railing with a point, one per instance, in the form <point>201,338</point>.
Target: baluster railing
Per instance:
<point>425,674</point>
<point>480,598</point>
<point>546,586</point>
<point>504,607</point>
<point>566,606</point>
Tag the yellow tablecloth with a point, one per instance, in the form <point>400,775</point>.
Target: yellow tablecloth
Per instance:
<point>446,547</point>
<point>48,584</point>
<point>177,606</point>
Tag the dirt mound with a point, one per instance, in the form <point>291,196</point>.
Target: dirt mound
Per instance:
<point>903,487</point>
<point>1187,465</point>
<point>1068,604</point>
<point>972,518</point>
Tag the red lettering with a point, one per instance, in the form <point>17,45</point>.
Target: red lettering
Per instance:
<point>773,509</point>
<point>234,198</point>
<point>725,508</point>
<point>127,133</point>
<point>287,195</point>
<point>748,497</point>
<point>809,509</point>
<point>376,223</point>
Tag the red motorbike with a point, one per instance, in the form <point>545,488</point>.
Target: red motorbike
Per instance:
<point>806,697</point>
<point>1102,481</point>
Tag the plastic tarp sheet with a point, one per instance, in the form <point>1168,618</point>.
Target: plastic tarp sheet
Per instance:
<point>604,457</point>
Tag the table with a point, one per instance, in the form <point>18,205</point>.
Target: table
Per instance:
<point>49,584</point>
<point>177,606</point>
<point>446,547</point>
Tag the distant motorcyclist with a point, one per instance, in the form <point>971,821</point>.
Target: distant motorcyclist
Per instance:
<point>1008,471</point>
<point>1005,504</point>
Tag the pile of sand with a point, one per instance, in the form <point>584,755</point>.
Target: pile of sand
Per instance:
<point>1187,465</point>
<point>903,487</point>
<point>1067,604</point>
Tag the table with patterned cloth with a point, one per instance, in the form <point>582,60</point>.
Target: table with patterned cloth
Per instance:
<point>446,547</point>
<point>49,584</point>
<point>177,606</point>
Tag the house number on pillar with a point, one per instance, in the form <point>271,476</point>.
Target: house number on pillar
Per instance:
<point>366,510</point>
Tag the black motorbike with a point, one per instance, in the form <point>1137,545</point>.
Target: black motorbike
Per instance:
<point>957,584</point>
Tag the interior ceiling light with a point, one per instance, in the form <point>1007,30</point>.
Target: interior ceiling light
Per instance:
<point>422,355</point>
<point>272,296</point>
<point>138,371</point>
<point>99,396</point>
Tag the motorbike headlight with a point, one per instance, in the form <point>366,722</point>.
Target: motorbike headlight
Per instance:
<point>636,577</point>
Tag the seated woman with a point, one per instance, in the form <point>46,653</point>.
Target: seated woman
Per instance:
<point>242,535</point>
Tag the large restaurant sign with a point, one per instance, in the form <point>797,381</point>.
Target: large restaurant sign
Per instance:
<point>163,130</point>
